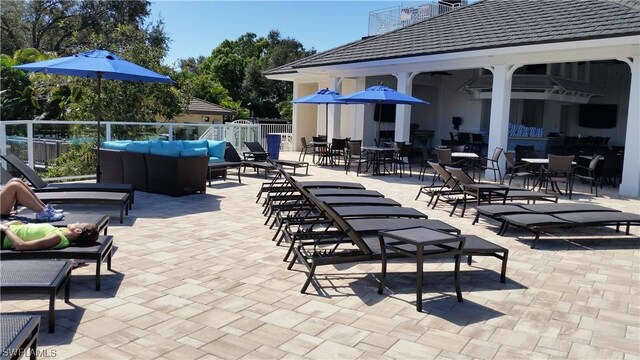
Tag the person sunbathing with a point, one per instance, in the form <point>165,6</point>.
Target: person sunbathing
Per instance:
<point>19,236</point>
<point>16,191</point>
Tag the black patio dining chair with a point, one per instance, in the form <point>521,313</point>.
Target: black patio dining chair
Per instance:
<point>516,170</point>
<point>491,163</point>
<point>401,158</point>
<point>585,173</point>
<point>354,154</point>
<point>337,150</point>
<point>559,170</point>
<point>306,148</point>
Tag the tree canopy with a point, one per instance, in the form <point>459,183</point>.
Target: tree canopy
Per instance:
<point>231,76</point>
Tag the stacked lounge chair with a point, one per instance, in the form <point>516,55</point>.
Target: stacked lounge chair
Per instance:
<point>323,233</point>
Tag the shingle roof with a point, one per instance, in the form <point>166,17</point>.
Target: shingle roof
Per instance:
<point>199,106</point>
<point>489,24</point>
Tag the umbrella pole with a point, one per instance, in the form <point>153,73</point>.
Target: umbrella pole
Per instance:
<point>99,115</point>
<point>379,120</point>
<point>326,121</point>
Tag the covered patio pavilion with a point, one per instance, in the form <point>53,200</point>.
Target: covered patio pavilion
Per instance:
<point>490,63</point>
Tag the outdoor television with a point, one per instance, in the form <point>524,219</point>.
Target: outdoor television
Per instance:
<point>598,116</point>
<point>388,113</point>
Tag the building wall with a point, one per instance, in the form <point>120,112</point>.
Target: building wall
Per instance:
<point>614,80</point>
<point>457,103</point>
<point>197,119</point>
<point>307,114</point>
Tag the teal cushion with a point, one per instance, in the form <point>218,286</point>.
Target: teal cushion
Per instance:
<point>214,159</point>
<point>138,147</point>
<point>217,148</point>
<point>164,151</point>
<point>116,144</point>
<point>194,152</point>
<point>174,146</point>
<point>166,148</point>
<point>194,144</point>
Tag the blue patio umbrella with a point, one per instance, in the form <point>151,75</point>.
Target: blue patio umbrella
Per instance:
<point>96,64</point>
<point>324,96</point>
<point>380,95</point>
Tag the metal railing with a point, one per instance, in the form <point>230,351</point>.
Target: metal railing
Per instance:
<point>385,20</point>
<point>32,141</point>
<point>35,142</point>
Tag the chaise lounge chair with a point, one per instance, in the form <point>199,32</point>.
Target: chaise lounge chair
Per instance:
<point>40,185</point>
<point>329,251</point>
<point>537,223</point>
<point>19,336</point>
<point>99,252</point>
<point>258,153</point>
<point>496,212</point>
<point>37,277</point>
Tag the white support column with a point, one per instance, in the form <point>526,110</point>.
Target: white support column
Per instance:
<point>294,117</point>
<point>630,185</point>
<point>499,119</point>
<point>335,84</point>
<point>403,112</point>
<point>356,112</point>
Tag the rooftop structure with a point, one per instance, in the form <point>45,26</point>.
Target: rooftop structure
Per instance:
<point>385,20</point>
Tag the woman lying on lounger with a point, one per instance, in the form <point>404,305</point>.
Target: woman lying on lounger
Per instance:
<point>16,191</point>
<point>20,236</point>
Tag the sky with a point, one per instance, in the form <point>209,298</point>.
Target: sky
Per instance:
<point>198,27</point>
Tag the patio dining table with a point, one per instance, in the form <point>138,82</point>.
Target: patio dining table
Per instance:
<point>537,164</point>
<point>322,149</point>
<point>378,158</point>
<point>470,159</point>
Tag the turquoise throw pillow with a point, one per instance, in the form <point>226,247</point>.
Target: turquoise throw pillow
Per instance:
<point>217,148</point>
<point>194,152</point>
<point>194,144</point>
<point>116,144</point>
<point>138,147</point>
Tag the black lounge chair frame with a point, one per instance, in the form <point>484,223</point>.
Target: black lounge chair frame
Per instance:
<point>40,185</point>
<point>99,253</point>
<point>19,336</point>
<point>496,212</point>
<point>311,253</point>
<point>536,223</point>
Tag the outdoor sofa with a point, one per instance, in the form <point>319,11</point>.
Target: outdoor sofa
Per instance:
<point>173,168</point>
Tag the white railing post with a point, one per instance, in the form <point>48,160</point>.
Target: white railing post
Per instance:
<point>107,134</point>
<point>30,159</point>
<point>170,132</point>
<point>3,138</point>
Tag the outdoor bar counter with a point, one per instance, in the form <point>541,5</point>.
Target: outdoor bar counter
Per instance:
<point>539,144</point>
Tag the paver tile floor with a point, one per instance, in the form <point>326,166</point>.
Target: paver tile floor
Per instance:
<point>198,277</point>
